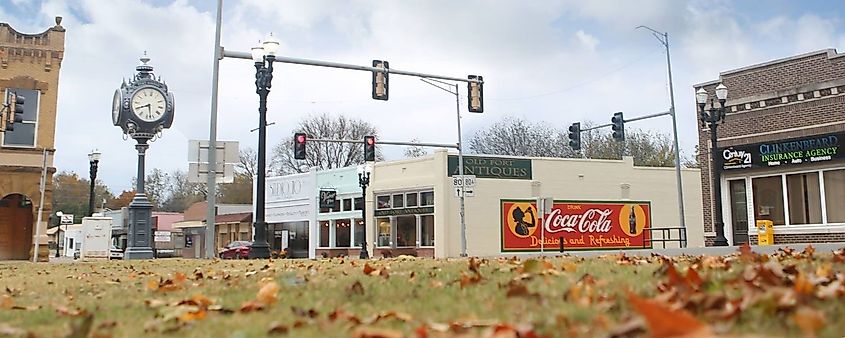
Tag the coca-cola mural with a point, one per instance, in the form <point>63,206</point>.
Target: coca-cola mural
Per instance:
<point>582,225</point>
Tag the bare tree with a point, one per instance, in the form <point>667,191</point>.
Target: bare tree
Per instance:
<point>247,162</point>
<point>648,148</point>
<point>518,137</point>
<point>325,155</point>
<point>415,151</point>
<point>181,193</point>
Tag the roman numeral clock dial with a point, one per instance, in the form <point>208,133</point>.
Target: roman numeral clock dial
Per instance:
<point>148,104</point>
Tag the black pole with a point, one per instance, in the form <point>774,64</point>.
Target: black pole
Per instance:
<point>363,181</point>
<point>263,78</point>
<point>713,117</point>
<point>92,172</point>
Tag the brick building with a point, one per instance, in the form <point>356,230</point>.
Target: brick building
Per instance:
<point>780,150</point>
<point>29,65</point>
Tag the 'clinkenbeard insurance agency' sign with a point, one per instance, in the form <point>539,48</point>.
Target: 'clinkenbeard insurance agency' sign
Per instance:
<point>797,151</point>
<point>581,225</point>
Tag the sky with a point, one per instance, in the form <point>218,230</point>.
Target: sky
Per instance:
<point>554,62</point>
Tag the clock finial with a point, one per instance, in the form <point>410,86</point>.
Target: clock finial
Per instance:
<point>144,69</point>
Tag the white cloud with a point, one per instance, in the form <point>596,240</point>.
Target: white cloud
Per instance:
<point>587,40</point>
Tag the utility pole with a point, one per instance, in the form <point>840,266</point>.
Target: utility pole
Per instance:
<point>664,40</point>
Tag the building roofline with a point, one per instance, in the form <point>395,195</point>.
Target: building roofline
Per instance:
<point>831,54</point>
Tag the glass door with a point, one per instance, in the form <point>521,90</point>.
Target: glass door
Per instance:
<point>739,211</point>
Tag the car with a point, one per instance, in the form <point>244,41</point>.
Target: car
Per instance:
<point>236,250</point>
<point>115,253</point>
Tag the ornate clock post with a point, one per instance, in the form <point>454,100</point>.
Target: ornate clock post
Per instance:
<point>143,108</point>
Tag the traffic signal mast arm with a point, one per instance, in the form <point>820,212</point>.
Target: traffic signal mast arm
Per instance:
<point>629,120</point>
<point>284,59</point>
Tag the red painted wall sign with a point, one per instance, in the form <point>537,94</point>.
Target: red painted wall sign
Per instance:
<point>582,225</point>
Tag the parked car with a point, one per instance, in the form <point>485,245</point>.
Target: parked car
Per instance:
<point>236,250</point>
<point>115,253</point>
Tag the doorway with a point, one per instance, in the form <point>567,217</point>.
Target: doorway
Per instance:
<point>15,227</point>
<point>297,238</point>
<point>739,211</point>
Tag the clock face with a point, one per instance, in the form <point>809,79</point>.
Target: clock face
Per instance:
<point>148,104</point>
<point>115,107</point>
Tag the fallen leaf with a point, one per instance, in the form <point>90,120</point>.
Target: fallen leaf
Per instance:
<point>267,295</point>
<point>810,321</point>
<point>277,328</point>
<point>517,289</point>
<point>252,306</point>
<point>355,289</point>
<point>6,302</point>
<point>372,332</point>
<point>664,322</point>
<point>368,270</point>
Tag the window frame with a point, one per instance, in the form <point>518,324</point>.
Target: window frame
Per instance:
<point>35,122</point>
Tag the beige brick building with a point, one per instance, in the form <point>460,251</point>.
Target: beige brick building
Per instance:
<point>29,65</point>
<point>781,150</point>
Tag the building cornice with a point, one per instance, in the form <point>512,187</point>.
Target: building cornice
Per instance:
<point>830,53</point>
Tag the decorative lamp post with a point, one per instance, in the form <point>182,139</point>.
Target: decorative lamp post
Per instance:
<point>712,117</point>
<point>264,56</point>
<point>364,181</point>
<point>142,108</point>
<point>93,161</point>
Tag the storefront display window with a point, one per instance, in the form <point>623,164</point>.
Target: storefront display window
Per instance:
<point>427,198</point>
<point>342,233</point>
<point>383,202</point>
<point>359,232</point>
<point>383,231</point>
<point>427,231</point>
<point>359,203</point>
<point>398,200</point>
<point>411,200</point>
<point>804,198</point>
<point>324,234</point>
<point>768,199</point>
<point>406,231</point>
<point>834,194</point>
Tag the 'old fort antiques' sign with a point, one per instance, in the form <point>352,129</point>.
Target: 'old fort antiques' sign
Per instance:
<point>492,167</point>
<point>405,211</point>
<point>581,225</point>
<point>797,151</point>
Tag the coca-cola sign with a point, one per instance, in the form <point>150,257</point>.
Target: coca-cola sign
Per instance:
<point>581,225</point>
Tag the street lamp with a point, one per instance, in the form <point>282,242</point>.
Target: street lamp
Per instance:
<point>93,161</point>
<point>364,181</point>
<point>264,56</point>
<point>712,117</point>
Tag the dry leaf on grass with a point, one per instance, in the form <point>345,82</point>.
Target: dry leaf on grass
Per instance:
<point>664,322</point>
<point>810,321</point>
<point>372,332</point>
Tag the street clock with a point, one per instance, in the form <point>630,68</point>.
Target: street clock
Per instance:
<point>143,107</point>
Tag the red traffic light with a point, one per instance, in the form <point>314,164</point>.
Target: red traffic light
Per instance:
<point>300,138</point>
<point>371,140</point>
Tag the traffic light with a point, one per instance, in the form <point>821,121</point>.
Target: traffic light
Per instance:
<point>16,105</point>
<point>380,80</point>
<point>618,122</point>
<point>575,136</point>
<point>369,148</point>
<point>299,140</point>
<point>475,91</point>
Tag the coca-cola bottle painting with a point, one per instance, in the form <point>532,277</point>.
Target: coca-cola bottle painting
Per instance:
<point>521,226</point>
<point>632,221</point>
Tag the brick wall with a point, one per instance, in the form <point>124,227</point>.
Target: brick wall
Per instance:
<point>770,99</point>
<point>803,238</point>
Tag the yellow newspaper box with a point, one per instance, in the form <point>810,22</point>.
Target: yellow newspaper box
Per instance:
<point>765,233</point>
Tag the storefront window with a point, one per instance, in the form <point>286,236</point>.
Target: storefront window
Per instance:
<point>804,199</point>
<point>427,231</point>
<point>342,232</point>
<point>383,231</point>
<point>324,234</point>
<point>768,199</point>
<point>834,194</point>
<point>427,198</point>
<point>359,232</point>
<point>347,204</point>
<point>398,200</point>
<point>406,231</point>
<point>411,200</point>
<point>383,202</point>
<point>359,203</point>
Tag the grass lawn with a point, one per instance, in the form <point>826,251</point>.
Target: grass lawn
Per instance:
<point>791,293</point>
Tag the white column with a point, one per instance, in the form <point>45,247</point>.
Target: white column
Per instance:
<point>419,230</point>
<point>332,232</point>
